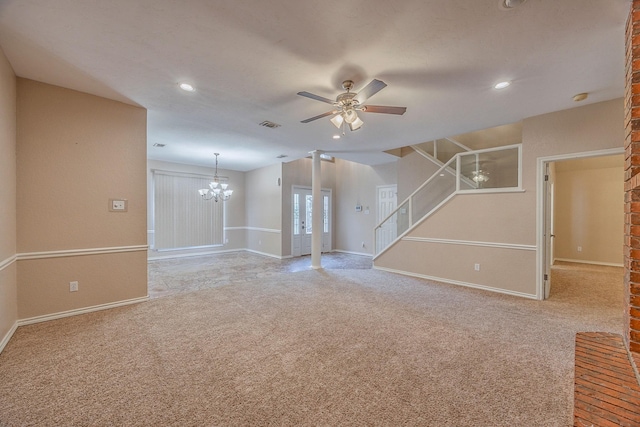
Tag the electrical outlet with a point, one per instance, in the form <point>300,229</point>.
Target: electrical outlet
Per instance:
<point>476,267</point>
<point>118,205</point>
<point>363,244</point>
<point>73,286</point>
<point>579,248</point>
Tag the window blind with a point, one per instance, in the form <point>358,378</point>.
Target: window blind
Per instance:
<point>182,219</point>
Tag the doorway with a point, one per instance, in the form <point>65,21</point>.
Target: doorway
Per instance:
<point>302,214</point>
<point>575,210</point>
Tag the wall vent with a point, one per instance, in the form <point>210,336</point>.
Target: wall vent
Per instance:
<point>269,124</point>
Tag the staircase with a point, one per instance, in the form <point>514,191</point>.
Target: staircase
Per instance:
<point>427,198</point>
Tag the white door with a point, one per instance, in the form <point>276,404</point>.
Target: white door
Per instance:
<point>387,201</point>
<point>302,224</point>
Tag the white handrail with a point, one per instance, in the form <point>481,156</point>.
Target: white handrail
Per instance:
<point>437,173</point>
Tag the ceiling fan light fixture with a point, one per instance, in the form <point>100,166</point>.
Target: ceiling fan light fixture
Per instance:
<point>337,120</point>
<point>356,124</point>
<point>350,116</point>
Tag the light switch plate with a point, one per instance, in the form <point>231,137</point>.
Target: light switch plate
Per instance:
<point>118,205</point>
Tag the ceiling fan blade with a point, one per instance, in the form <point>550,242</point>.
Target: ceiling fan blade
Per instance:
<point>369,90</point>
<point>383,109</point>
<point>328,113</point>
<point>316,97</point>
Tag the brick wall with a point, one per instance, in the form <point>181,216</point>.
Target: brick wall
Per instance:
<point>632,179</point>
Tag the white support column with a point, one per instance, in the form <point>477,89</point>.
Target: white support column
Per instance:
<point>317,211</point>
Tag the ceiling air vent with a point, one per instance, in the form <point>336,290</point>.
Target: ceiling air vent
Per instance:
<point>158,145</point>
<point>281,156</point>
<point>269,124</point>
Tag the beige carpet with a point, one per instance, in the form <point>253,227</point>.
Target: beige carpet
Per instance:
<point>332,347</point>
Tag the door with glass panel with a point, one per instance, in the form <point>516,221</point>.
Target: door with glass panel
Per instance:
<point>301,221</point>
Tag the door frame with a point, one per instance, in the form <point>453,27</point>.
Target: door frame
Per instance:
<point>324,192</point>
<point>541,208</point>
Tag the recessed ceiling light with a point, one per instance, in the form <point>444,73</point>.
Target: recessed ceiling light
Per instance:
<point>186,87</point>
<point>336,136</point>
<point>580,97</point>
<point>510,4</point>
<point>502,85</point>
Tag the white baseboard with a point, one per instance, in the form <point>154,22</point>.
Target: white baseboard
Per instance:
<point>190,254</point>
<point>579,261</point>
<point>459,283</point>
<point>7,337</point>
<point>268,254</point>
<point>84,310</point>
<point>353,253</point>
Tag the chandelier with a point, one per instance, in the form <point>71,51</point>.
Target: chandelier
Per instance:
<point>480,177</point>
<point>217,190</point>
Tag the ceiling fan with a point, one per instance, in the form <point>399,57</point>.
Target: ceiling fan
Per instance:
<point>348,104</point>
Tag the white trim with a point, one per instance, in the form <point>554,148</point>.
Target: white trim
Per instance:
<point>80,252</point>
<point>492,190</point>
<point>151,231</point>
<point>75,312</point>
<point>7,337</point>
<point>459,283</point>
<point>586,154</point>
<point>540,172</point>
<point>268,254</point>
<point>7,262</point>
<point>353,253</point>
<point>190,254</point>
<point>472,243</point>
<point>579,261</point>
<point>266,230</point>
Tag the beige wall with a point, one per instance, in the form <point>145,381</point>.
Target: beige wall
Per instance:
<point>264,210</point>
<point>299,173</point>
<point>505,218</point>
<point>8,275</point>
<point>234,215</point>
<point>357,185</point>
<point>75,152</point>
<point>589,210</point>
